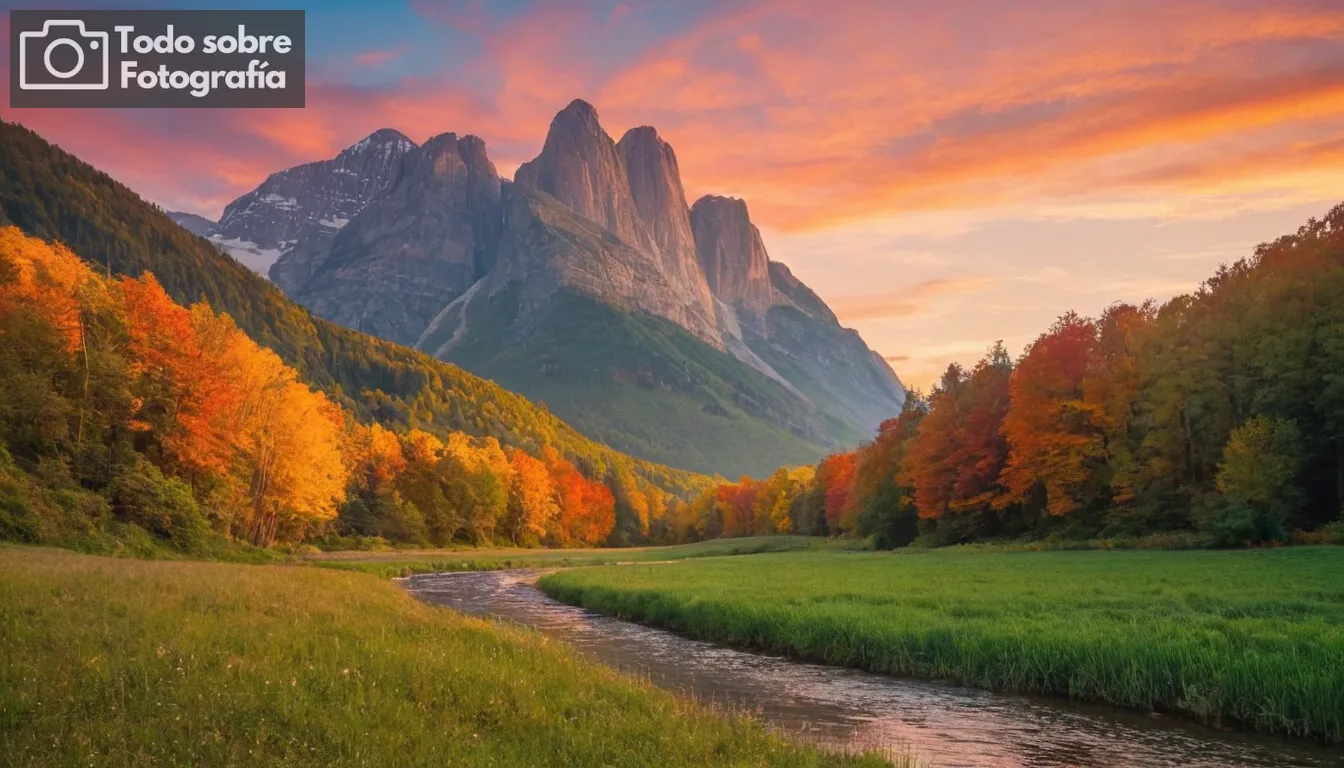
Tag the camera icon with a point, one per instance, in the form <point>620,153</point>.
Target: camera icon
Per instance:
<point>64,56</point>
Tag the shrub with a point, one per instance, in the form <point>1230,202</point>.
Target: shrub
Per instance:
<point>161,505</point>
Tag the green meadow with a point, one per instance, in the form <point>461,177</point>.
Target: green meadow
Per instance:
<point>114,662</point>
<point>1251,639</point>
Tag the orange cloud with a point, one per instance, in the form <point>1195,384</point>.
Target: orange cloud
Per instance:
<point>912,301</point>
<point>824,123</point>
<point>824,115</point>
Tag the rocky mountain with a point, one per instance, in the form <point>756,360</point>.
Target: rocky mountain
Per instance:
<point>584,170</point>
<point>580,166</point>
<point>587,282</point>
<point>196,225</point>
<point>407,254</point>
<point>786,324</point>
<point>53,195</point>
<point>306,206</point>
<point>732,255</point>
<point>655,186</point>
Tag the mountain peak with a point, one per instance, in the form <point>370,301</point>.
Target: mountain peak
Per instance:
<point>732,253</point>
<point>416,247</point>
<point>737,205</point>
<point>380,138</point>
<point>655,184</point>
<point>578,108</point>
<point>643,133</point>
<point>440,143</point>
<point>578,120</point>
<point>580,166</point>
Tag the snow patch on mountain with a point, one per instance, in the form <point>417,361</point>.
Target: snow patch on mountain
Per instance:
<point>249,254</point>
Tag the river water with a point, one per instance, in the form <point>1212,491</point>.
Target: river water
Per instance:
<point>947,726</point>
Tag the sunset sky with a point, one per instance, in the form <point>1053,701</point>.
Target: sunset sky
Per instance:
<point>943,174</point>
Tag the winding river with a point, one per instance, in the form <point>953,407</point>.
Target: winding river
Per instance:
<point>947,726</point>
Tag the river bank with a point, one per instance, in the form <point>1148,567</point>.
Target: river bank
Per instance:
<point>1234,639</point>
<point>938,723</point>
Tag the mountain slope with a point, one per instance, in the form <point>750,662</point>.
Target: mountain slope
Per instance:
<point>787,325</point>
<point>410,252</point>
<point>51,194</point>
<point>307,205</point>
<point>196,225</point>
<point>475,270</point>
<point>560,317</point>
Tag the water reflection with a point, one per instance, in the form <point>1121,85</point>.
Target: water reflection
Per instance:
<point>948,725</point>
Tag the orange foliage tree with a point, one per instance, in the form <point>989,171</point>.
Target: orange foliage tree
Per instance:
<point>587,509</point>
<point>956,456</point>
<point>1053,432</point>
<point>532,500</point>
<point>835,473</point>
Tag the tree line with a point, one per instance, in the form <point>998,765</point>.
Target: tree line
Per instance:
<point>125,416</point>
<point>1214,419</point>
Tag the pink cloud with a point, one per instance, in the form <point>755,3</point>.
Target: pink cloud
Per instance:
<point>380,57</point>
<point>821,115</point>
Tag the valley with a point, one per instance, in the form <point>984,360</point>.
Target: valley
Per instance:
<point>441,420</point>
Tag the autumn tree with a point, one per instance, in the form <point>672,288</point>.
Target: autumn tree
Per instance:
<point>955,458</point>
<point>587,509</point>
<point>884,501</point>
<point>1056,437</point>
<point>532,505</point>
<point>835,476</point>
<point>44,356</point>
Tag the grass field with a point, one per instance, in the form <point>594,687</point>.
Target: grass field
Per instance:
<point>403,562</point>
<point>1250,638</point>
<point>123,662</point>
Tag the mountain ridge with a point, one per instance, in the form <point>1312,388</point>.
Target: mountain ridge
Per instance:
<point>606,220</point>
<point>53,195</point>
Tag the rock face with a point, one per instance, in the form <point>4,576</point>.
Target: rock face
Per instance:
<point>585,171</point>
<point>196,225</point>
<point>791,288</point>
<point>308,204</point>
<point>580,166</point>
<point>732,254</point>
<point>786,325</point>
<point>418,247</point>
<point>546,247</point>
<point>662,330</point>
<point>655,186</point>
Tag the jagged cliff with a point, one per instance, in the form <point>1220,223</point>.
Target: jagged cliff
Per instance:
<point>410,252</point>
<point>308,203</point>
<point>588,282</point>
<point>786,324</point>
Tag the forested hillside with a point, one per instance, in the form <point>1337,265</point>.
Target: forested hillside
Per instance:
<point>128,420</point>
<point>1216,419</point>
<point>53,195</point>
